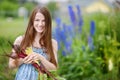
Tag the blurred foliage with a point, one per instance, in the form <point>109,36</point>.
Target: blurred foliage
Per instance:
<point>86,64</point>
<point>13,1</point>
<point>29,6</point>
<point>5,72</point>
<point>52,6</point>
<point>114,23</point>
<point>8,9</point>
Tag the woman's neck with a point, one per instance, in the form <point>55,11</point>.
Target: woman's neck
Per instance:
<point>36,41</point>
<point>37,37</point>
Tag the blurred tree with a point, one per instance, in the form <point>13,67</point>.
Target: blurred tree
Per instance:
<point>13,1</point>
<point>22,1</point>
<point>117,5</point>
<point>8,9</point>
<point>29,6</point>
<point>52,6</point>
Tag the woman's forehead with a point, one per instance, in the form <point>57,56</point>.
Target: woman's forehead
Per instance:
<point>39,14</point>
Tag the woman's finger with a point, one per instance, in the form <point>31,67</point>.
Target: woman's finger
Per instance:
<point>28,59</point>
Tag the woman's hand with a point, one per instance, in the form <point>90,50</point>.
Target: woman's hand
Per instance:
<point>32,58</point>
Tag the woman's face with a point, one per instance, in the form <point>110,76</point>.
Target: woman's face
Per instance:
<point>39,22</point>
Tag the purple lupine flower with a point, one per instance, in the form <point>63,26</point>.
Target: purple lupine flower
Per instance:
<point>63,36</point>
<point>64,53</point>
<point>80,24</point>
<point>56,35</point>
<point>78,10</point>
<point>58,22</point>
<point>80,19</point>
<point>67,43</point>
<point>57,31</point>
<point>60,36</point>
<point>92,28</point>
<point>65,27</point>
<point>72,15</point>
<point>90,43</point>
<point>69,31</point>
<point>68,48</point>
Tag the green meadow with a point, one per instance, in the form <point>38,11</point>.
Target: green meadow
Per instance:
<point>12,27</point>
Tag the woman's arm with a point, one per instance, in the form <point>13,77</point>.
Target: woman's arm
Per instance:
<point>13,63</point>
<point>47,64</point>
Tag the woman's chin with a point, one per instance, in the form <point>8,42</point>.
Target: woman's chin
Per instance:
<point>39,31</point>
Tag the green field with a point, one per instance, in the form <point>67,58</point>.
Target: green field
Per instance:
<point>12,27</point>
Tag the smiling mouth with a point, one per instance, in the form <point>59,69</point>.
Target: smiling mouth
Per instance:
<point>40,27</point>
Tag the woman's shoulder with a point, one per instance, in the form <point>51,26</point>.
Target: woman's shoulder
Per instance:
<point>18,40</point>
<point>54,44</point>
<point>54,41</point>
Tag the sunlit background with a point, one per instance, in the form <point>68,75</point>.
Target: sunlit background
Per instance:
<point>87,32</point>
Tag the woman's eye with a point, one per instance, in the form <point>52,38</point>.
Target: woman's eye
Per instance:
<point>36,19</point>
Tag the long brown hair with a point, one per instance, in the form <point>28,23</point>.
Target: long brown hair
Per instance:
<point>46,38</point>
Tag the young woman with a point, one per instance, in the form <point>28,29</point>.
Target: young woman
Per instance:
<point>38,36</point>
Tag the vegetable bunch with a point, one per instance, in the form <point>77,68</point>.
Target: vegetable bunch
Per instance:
<point>23,53</point>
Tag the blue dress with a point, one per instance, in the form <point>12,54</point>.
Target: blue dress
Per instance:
<point>27,71</point>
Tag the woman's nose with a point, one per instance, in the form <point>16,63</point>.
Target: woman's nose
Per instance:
<point>40,23</point>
